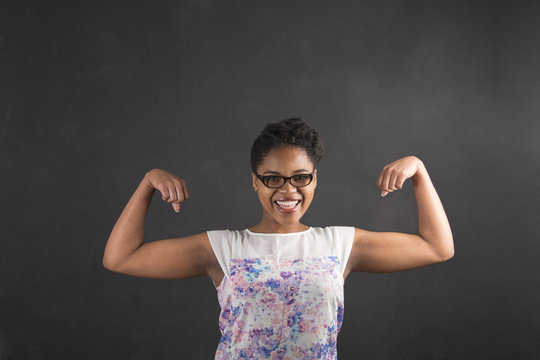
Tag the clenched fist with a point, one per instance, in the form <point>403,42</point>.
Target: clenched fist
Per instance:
<point>173,188</point>
<point>394,174</point>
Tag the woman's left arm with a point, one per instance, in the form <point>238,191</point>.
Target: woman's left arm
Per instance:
<point>394,251</point>
<point>433,225</point>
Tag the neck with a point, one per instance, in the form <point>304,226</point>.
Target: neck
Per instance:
<point>273,227</point>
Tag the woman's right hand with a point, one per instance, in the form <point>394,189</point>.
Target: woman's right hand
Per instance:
<point>173,189</point>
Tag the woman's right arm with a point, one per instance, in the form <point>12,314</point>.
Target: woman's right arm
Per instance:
<point>174,258</point>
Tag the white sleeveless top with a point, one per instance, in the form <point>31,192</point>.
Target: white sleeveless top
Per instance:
<point>282,294</point>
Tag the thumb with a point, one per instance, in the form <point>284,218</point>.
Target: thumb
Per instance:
<point>176,207</point>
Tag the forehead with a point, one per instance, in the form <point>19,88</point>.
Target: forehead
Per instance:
<point>285,159</point>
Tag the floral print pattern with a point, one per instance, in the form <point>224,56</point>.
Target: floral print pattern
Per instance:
<point>291,309</point>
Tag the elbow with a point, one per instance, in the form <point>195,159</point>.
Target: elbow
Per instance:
<point>445,253</point>
<point>448,254</point>
<point>108,264</point>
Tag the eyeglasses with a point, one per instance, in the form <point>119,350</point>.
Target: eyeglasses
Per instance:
<point>276,182</point>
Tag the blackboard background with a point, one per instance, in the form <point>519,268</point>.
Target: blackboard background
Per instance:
<point>96,93</point>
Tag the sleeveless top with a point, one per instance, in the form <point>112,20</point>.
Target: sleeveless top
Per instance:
<point>281,296</point>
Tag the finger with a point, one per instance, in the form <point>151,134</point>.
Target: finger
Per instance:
<point>385,180</point>
<point>392,181</point>
<point>399,181</point>
<point>172,191</point>
<point>184,189</point>
<point>179,193</point>
<point>380,178</point>
<point>164,193</point>
<point>176,207</point>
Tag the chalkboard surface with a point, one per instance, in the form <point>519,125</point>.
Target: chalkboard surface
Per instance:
<point>94,94</point>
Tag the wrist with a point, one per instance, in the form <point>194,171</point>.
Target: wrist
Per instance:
<point>421,172</point>
<point>146,181</point>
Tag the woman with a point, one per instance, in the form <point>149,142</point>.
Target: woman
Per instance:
<point>280,282</point>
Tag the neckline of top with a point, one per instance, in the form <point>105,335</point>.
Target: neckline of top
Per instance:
<point>292,233</point>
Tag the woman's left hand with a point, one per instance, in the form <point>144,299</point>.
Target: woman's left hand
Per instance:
<point>394,174</point>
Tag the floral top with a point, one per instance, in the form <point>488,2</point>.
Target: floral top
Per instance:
<point>282,294</point>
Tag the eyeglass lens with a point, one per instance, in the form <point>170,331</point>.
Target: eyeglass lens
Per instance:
<point>297,180</point>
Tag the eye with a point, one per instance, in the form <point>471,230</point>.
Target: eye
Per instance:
<point>273,181</point>
<point>301,180</point>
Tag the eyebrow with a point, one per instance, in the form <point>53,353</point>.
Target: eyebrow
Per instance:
<point>275,172</point>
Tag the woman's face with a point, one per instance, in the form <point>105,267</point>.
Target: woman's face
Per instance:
<point>286,161</point>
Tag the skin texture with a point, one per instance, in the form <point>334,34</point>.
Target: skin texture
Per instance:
<point>285,161</point>
<point>372,251</point>
<point>192,256</point>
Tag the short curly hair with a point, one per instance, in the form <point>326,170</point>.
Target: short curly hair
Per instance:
<point>289,132</point>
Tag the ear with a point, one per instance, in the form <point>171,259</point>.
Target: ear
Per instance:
<point>315,179</point>
<point>254,180</point>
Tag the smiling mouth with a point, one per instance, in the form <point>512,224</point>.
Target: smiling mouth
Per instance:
<point>287,206</point>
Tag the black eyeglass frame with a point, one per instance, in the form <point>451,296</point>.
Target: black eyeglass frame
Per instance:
<point>285,178</point>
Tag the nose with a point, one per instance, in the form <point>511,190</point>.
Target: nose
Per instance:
<point>288,187</point>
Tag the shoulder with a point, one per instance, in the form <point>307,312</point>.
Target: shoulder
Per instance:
<point>223,234</point>
<point>224,239</point>
<point>340,236</point>
<point>336,231</point>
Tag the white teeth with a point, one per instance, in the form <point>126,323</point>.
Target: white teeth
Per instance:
<point>287,204</point>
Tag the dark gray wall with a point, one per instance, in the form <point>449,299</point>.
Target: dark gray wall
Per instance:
<point>95,94</point>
